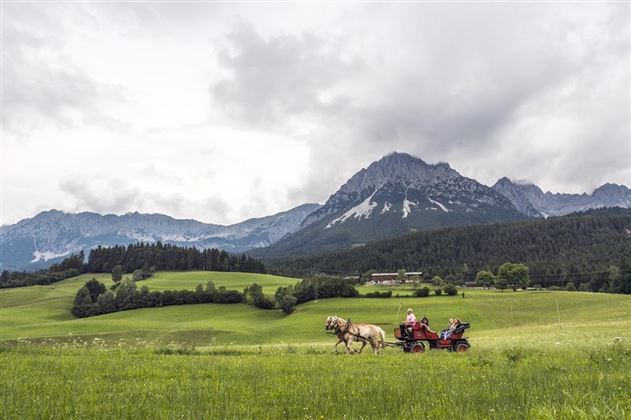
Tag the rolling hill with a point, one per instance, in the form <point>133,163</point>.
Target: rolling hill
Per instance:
<point>42,314</point>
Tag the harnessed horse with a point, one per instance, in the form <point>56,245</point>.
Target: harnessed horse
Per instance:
<point>347,332</point>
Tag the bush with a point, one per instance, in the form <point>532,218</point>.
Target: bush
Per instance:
<point>451,290</point>
<point>323,287</point>
<point>422,292</point>
<point>379,294</point>
<point>438,291</point>
<point>570,287</point>
<point>285,299</point>
<point>437,281</point>
<point>253,295</point>
<point>117,273</point>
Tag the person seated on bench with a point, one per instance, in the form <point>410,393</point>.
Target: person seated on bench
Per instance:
<point>410,320</point>
<point>425,324</point>
<point>453,324</point>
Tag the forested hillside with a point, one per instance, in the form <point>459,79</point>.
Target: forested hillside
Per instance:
<point>580,247</point>
<point>159,256</point>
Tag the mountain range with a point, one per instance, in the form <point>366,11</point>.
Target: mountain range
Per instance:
<point>393,196</point>
<point>532,201</point>
<point>51,235</point>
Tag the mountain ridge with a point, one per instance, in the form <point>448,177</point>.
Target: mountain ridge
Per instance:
<point>52,234</point>
<point>530,199</point>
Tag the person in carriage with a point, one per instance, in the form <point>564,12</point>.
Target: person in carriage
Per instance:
<point>453,324</point>
<point>425,325</point>
<point>406,326</point>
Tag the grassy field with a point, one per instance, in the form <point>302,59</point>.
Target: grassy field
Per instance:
<point>236,281</point>
<point>527,360</point>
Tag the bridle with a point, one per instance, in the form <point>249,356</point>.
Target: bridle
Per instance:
<point>333,324</point>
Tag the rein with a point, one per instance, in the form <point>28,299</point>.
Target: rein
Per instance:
<point>347,330</point>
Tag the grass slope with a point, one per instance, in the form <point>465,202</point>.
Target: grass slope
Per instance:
<point>251,363</point>
<point>44,311</point>
<point>494,384</point>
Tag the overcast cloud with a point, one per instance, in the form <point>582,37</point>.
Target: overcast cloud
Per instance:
<point>223,112</point>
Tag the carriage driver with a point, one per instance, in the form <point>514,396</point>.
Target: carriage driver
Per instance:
<point>406,327</point>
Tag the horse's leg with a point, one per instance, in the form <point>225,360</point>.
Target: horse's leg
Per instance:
<point>349,345</point>
<point>339,340</point>
<point>363,345</point>
<point>375,345</point>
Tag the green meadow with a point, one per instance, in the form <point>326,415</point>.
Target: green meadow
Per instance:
<point>534,355</point>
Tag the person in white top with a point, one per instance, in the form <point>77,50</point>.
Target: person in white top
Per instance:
<point>406,326</point>
<point>411,318</point>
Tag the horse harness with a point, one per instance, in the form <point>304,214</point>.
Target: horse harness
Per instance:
<point>347,329</point>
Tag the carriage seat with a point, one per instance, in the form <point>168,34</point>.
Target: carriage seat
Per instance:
<point>460,328</point>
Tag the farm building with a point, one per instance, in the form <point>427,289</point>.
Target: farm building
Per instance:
<point>391,278</point>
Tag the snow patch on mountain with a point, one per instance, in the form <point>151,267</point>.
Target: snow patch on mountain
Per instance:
<point>47,255</point>
<point>406,208</point>
<point>445,209</point>
<point>363,209</point>
<point>386,207</point>
<point>139,236</point>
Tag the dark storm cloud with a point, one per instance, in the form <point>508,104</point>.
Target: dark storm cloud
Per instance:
<point>272,78</point>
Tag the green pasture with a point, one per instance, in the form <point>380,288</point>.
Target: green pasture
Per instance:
<point>534,354</point>
<point>528,317</point>
<point>235,281</point>
<point>283,382</point>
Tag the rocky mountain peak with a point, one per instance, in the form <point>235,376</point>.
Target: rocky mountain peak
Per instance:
<point>396,168</point>
<point>403,185</point>
<point>610,189</point>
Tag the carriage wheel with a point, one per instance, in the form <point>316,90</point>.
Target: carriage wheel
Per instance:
<point>462,347</point>
<point>418,348</point>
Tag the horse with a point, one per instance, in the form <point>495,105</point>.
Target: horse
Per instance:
<point>347,332</point>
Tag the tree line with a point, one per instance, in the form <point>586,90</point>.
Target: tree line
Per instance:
<point>95,299</point>
<point>161,257</point>
<point>579,248</point>
<point>141,257</point>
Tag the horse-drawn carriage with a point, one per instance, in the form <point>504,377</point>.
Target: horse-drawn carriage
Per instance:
<point>414,338</point>
<point>411,338</point>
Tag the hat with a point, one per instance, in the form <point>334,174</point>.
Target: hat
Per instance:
<point>410,310</point>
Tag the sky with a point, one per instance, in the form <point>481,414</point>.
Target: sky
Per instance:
<point>225,111</point>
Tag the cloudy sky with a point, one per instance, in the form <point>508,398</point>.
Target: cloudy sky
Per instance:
<point>221,112</point>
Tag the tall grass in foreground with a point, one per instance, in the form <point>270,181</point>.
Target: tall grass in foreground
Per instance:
<point>310,382</point>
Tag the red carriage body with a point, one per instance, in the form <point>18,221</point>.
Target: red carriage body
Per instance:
<point>418,336</point>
